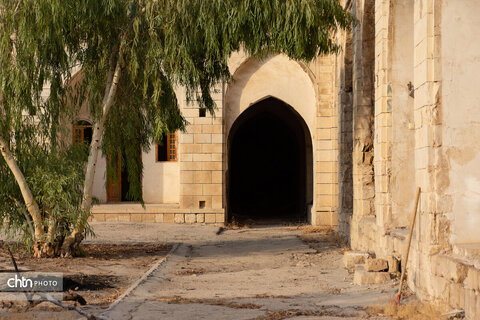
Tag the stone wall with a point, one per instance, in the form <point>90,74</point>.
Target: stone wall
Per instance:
<point>201,158</point>
<point>426,135</point>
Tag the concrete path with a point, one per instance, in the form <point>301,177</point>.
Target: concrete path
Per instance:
<point>257,273</point>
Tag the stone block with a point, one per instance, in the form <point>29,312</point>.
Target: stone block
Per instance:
<point>168,217</point>
<point>186,157</point>
<point>159,217</point>
<point>212,189</point>
<point>202,138</point>
<point>351,258</point>
<point>450,269</point>
<point>191,148</point>
<point>362,277</point>
<point>123,217</point>
<point>200,217</point>
<point>148,217</point>
<point>216,176</point>
<point>217,202</point>
<point>202,177</point>
<point>193,189</point>
<point>393,265</point>
<point>202,157</point>
<point>220,218</point>
<point>323,134</point>
<point>186,177</point>
<point>212,148</point>
<point>472,307</point>
<point>190,218</point>
<point>98,217</point>
<point>211,165</point>
<point>135,217</point>
<point>185,166</point>
<point>456,297</point>
<point>217,138</point>
<point>210,218</point>
<point>179,218</point>
<point>217,157</point>
<point>111,217</point>
<point>473,278</point>
<point>186,138</point>
<point>375,265</point>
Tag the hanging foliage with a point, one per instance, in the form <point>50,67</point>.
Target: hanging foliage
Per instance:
<point>133,54</point>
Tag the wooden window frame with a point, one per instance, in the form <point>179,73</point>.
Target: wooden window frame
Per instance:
<point>81,128</point>
<point>172,148</point>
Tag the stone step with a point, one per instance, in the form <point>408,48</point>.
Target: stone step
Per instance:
<point>362,276</point>
<point>351,258</point>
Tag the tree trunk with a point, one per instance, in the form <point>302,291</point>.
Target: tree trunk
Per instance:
<point>31,204</point>
<point>72,242</point>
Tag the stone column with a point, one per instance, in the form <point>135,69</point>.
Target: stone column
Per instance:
<point>325,144</point>
<point>201,162</point>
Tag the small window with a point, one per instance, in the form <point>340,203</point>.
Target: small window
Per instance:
<point>82,133</point>
<point>167,149</point>
<point>202,113</point>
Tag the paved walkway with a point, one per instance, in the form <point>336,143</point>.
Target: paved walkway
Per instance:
<point>257,273</point>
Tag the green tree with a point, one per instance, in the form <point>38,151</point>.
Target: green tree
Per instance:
<point>134,53</point>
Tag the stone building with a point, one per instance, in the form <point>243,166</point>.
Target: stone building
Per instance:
<point>268,152</point>
<point>344,141</point>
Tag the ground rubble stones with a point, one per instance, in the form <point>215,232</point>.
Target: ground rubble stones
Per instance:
<point>362,276</point>
<point>375,265</point>
<point>351,258</point>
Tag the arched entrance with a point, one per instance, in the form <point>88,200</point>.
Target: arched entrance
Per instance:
<point>270,164</point>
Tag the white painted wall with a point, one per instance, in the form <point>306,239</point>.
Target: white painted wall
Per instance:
<point>161,180</point>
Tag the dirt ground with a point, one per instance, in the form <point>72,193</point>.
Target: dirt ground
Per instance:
<point>235,273</point>
<point>102,275</point>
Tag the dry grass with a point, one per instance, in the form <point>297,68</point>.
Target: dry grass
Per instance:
<point>312,234</point>
<point>237,225</point>
<point>315,229</point>
<point>293,313</point>
<point>186,272</point>
<point>413,311</point>
<point>269,296</point>
<point>212,302</point>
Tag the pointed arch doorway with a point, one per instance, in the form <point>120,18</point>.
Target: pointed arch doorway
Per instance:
<point>270,164</point>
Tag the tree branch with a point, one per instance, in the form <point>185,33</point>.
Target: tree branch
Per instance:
<point>27,216</point>
<point>30,202</point>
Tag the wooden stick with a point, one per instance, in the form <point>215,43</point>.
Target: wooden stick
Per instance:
<point>402,278</point>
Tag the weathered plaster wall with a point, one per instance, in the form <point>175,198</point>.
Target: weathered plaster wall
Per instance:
<point>401,135</point>
<point>344,81</point>
<point>363,42</point>
<point>460,54</point>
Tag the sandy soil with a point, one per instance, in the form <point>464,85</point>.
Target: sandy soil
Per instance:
<point>99,277</point>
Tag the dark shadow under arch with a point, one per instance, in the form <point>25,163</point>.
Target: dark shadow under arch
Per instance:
<point>270,164</point>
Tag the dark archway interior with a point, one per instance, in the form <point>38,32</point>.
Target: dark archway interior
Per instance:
<point>268,163</point>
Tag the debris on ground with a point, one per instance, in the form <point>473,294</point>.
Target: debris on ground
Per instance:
<point>406,311</point>
<point>453,315</point>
